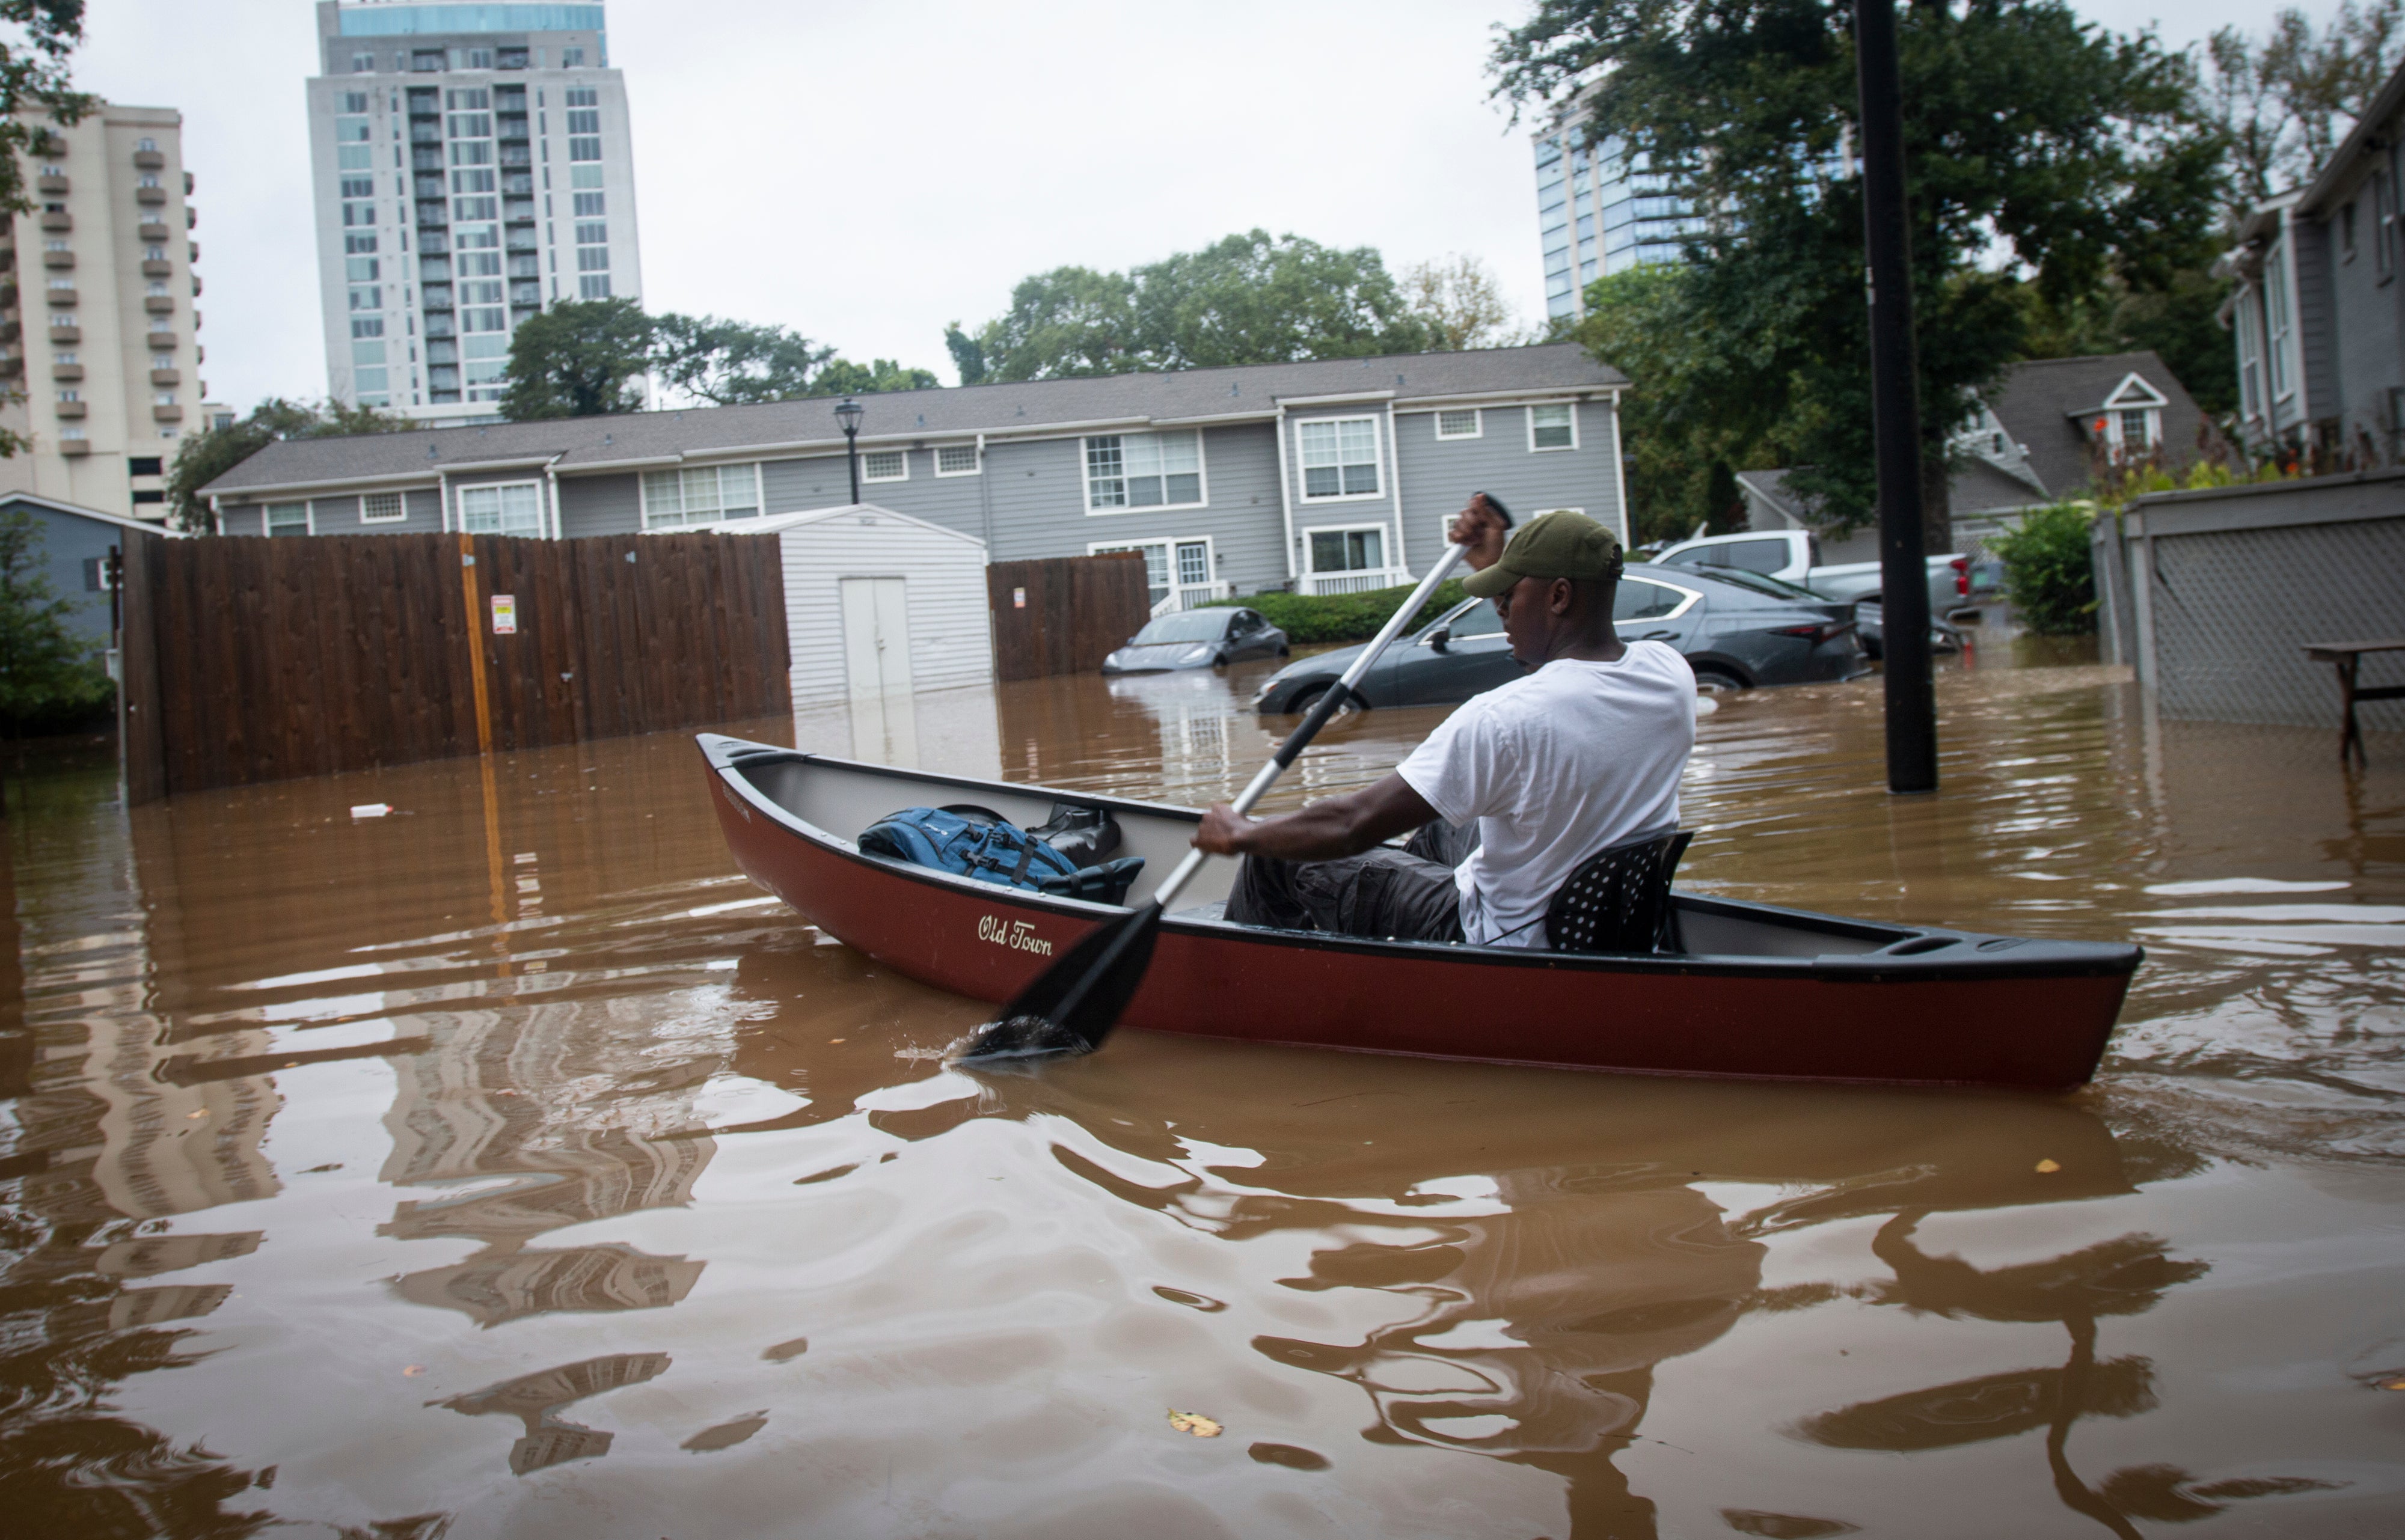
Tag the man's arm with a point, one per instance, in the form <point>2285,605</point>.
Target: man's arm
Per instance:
<point>1329,828</point>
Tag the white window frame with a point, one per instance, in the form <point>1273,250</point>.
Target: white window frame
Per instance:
<point>867,475</point>
<point>1086,474</point>
<point>1385,543</point>
<point>643,495</point>
<point>977,460</point>
<point>2279,322</point>
<point>400,513</point>
<point>1170,544</point>
<point>1692,597</point>
<point>461,495</point>
<point>308,517</point>
<point>1477,423</point>
<point>1531,411</point>
<point>2248,317</point>
<point>1303,473</point>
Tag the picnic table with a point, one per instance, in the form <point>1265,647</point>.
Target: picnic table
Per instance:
<point>2348,657</point>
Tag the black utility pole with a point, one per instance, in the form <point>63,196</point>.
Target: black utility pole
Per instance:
<point>846,416</point>
<point>1895,409</point>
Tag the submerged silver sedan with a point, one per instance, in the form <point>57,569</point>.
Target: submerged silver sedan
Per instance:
<point>1198,638</point>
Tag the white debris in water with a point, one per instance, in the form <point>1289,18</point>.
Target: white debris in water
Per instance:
<point>371,809</point>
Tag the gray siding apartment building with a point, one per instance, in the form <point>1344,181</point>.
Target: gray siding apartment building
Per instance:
<point>2318,312</point>
<point>472,164</point>
<point>1327,477</point>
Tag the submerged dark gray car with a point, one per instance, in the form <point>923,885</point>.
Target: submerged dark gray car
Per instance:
<point>1734,633</point>
<point>1198,638</point>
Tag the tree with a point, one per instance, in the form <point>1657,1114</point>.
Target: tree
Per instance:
<point>43,666</point>
<point>580,358</point>
<point>2180,320</point>
<point>2285,103</point>
<point>1249,299</point>
<point>2036,141</point>
<point>730,363</point>
<point>205,457</point>
<point>33,86</point>
<point>842,377</point>
<point>1460,304</point>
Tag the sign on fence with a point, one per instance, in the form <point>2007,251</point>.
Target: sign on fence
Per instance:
<point>505,615</point>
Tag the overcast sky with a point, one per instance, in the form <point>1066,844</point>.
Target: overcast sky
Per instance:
<point>864,172</point>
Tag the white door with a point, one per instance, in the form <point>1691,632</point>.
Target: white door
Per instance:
<point>877,669</point>
<point>876,635</point>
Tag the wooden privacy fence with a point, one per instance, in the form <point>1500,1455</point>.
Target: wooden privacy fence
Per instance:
<point>1065,615</point>
<point>252,659</point>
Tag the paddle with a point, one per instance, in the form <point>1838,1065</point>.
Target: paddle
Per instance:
<point>1073,1003</point>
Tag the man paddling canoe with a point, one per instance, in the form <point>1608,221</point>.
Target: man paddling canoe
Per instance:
<point>1514,790</point>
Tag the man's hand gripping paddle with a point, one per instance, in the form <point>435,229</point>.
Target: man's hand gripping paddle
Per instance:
<point>1072,1005</point>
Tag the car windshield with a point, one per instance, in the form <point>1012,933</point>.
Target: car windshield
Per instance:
<point>1776,588</point>
<point>1186,625</point>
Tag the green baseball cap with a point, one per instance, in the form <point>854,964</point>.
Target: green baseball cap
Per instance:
<point>1551,545</point>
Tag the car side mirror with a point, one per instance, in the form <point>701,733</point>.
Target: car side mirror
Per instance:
<point>1439,638</point>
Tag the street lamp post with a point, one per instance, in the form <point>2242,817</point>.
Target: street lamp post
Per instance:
<point>849,413</point>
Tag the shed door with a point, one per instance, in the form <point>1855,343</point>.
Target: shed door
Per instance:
<point>876,635</point>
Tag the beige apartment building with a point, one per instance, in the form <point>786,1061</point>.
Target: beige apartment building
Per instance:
<point>99,346</point>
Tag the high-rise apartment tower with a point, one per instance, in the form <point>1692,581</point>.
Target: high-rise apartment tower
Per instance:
<point>473,165</point>
<point>97,318</point>
<point>1600,211</point>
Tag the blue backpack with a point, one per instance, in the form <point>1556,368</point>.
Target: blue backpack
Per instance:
<point>986,848</point>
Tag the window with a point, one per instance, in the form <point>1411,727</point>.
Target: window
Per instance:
<point>471,152</point>
<point>584,96</point>
<point>589,206</point>
<point>2275,310</point>
<point>362,63</point>
<point>2346,230</point>
<point>65,318</point>
<point>70,395</point>
<point>470,181</point>
<point>471,125</point>
<point>360,269</point>
<point>348,130</point>
<point>1639,600</point>
<point>156,288</point>
<point>367,325</point>
<point>1188,561</point>
<point>469,99</point>
<point>2384,222</point>
<point>592,234</point>
<point>480,291</point>
<point>354,157</point>
<point>475,208</point>
<point>2136,429</point>
<point>477,264</point>
<point>1458,425</point>
<point>288,518</point>
<point>1553,427</point>
<point>583,122</point>
<point>359,243</point>
<point>584,149</point>
<point>367,355</point>
<point>484,319</point>
<point>700,495</point>
<point>69,284</point>
<point>956,460</point>
<point>65,355</point>
<point>2248,323</point>
<point>513,510</point>
<point>357,214</point>
<point>570,59</point>
<point>592,285</point>
<point>1348,549</point>
<point>163,398</point>
<point>381,508</point>
<point>885,465</point>
<point>480,59</point>
<point>592,258</point>
<point>359,187</point>
<point>146,466</point>
<point>1340,458</point>
<point>585,177</point>
<point>367,297</point>
<point>1143,470</point>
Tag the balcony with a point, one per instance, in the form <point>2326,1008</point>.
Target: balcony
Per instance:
<point>432,216</point>
<point>191,217</point>
<point>158,304</point>
<point>519,214</point>
<point>430,186</point>
<point>424,134</point>
<point>196,286</point>
<point>149,195</point>
<point>526,296</point>
<point>50,184</point>
<point>433,242</point>
<point>7,293</point>
<point>167,376</point>
<point>436,299</point>
<point>58,259</point>
<point>66,372</point>
<point>425,159</point>
<point>150,160</point>
<point>439,326</point>
<point>62,296</point>
<point>520,240</point>
<point>57,218</point>
<point>154,230</point>
<point>67,335</point>
<point>193,253</point>
<point>1365,582</point>
<point>70,409</point>
<point>11,368</point>
<point>10,330</point>
<point>515,156</point>
<point>167,413</point>
<point>78,445</point>
<point>510,126</point>
<point>152,267</point>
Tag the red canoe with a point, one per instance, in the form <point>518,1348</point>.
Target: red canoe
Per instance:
<point>1761,991</point>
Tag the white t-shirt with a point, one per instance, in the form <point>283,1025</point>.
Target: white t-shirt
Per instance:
<point>1555,767</point>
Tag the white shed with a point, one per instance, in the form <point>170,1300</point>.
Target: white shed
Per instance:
<point>879,603</point>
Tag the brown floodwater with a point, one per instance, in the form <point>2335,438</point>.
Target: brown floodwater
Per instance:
<point>507,1166</point>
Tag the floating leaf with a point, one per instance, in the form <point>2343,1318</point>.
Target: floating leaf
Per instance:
<point>1193,1422</point>
<point>2047,1167</point>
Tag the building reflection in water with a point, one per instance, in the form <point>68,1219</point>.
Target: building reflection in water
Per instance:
<point>534,1400</point>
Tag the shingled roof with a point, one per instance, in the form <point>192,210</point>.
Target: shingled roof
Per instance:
<point>1187,397</point>
<point>2043,405</point>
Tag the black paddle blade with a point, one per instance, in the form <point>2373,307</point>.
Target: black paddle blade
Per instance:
<point>1074,1005</point>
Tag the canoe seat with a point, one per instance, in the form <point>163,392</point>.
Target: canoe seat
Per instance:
<point>1618,900</point>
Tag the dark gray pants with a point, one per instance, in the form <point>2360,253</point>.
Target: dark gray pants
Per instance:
<point>1399,895</point>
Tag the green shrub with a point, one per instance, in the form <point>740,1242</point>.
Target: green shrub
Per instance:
<point>2048,574</point>
<point>1346,617</point>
